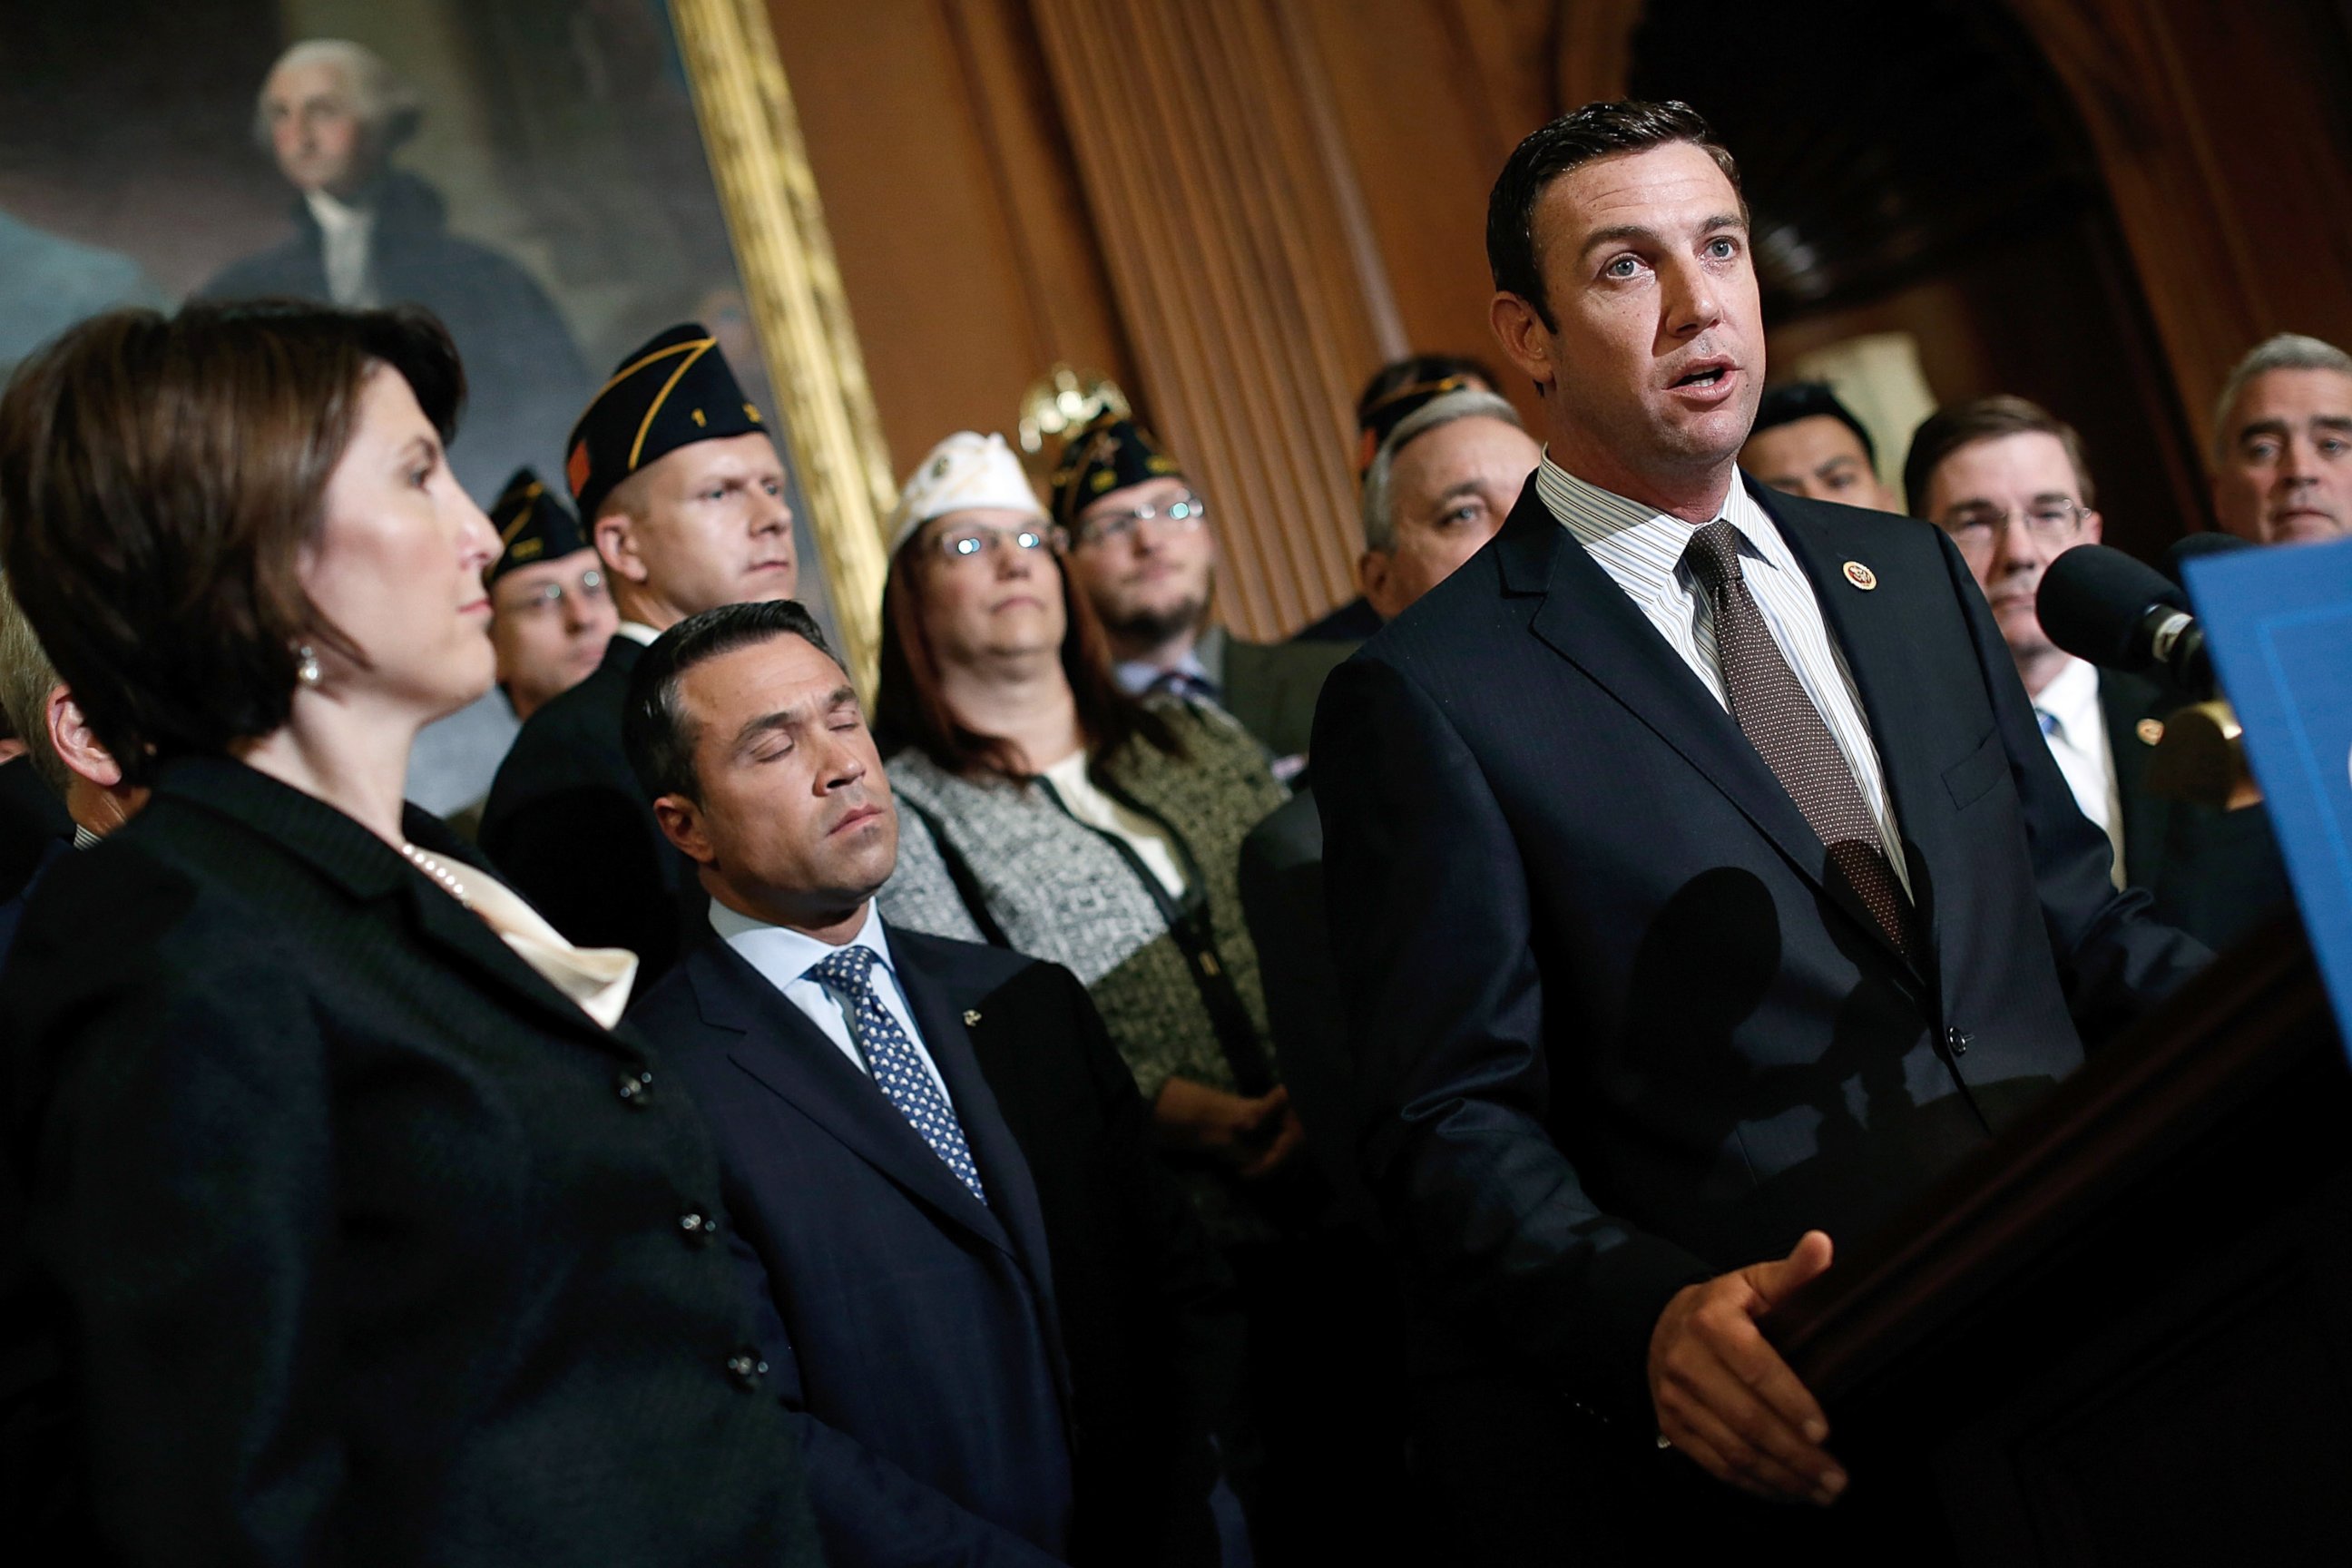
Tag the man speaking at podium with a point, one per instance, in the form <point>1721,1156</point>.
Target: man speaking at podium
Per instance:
<point>1702,889</point>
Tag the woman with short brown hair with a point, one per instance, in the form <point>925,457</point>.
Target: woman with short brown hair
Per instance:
<point>353,1232</point>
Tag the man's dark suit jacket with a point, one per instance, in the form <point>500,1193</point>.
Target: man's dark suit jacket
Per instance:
<point>32,818</point>
<point>2215,874</point>
<point>570,830</point>
<point>1616,1028</point>
<point>946,1359</point>
<point>1282,898</point>
<point>349,1243</point>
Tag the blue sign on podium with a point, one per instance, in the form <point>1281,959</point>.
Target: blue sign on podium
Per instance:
<point>2278,623</point>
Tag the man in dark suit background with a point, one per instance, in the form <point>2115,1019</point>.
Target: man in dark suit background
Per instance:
<point>1700,885</point>
<point>2008,481</point>
<point>682,490</point>
<point>1003,1334</point>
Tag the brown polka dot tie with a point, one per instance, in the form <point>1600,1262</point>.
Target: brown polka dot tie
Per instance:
<point>1787,731</point>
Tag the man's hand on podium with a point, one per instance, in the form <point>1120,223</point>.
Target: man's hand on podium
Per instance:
<point>1723,1394</point>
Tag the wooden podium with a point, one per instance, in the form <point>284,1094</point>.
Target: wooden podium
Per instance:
<point>2124,1334</point>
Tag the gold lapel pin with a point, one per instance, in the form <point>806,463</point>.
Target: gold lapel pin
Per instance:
<point>1861,576</point>
<point>970,1017</point>
<point>2149,731</point>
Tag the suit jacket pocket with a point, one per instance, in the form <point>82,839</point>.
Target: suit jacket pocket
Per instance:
<point>1969,778</point>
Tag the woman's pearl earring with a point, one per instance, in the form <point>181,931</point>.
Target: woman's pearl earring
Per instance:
<point>306,667</point>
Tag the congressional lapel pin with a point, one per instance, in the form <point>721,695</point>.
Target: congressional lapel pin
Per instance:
<point>970,1017</point>
<point>2149,731</point>
<point>1861,576</point>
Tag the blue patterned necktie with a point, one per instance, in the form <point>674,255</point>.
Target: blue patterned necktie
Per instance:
<point>898,1067</point>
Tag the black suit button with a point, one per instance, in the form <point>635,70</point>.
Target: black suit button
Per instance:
<point>1958,1040</point>
<point>635,1086</point>
<point>746,1369</point>
<point>698,1226</point>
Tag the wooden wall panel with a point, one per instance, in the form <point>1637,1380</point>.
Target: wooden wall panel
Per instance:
<point>965,246</point>
<point>2220,128</point>
<point>1226,241</point>
<point>1426,139</point>
<point>2028,318</point>
<point>1237,208</point>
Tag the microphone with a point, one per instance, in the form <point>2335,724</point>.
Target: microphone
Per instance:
<point>2102,605</point>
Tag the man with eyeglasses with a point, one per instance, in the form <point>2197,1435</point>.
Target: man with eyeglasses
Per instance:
<point>550,614</point>
<point>1143,551</point>
<point>2006,478</point>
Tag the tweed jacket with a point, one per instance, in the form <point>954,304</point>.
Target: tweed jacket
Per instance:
<point>1057,890</point>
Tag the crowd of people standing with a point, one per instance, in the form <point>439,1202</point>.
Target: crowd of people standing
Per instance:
<point>1092,1107</point>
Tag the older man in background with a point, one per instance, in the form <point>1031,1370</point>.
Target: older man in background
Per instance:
<point>683,493</point>
<point>2283,443</point>
<point>1394,390</point>
<point>1435,491</point>
<point>332,113</point>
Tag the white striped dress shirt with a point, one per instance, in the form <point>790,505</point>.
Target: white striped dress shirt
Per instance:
<point>1642,550</point>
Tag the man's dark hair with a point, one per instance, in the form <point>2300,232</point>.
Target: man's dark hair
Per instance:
<point>657,735</point>
<point>159,479</point>
<point>1794,400</point>
<point>1948,430</point>
<point>1575,139</point>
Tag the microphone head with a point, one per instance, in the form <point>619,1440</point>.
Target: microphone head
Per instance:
<point>2194,545</point>
<point>2093,600</point>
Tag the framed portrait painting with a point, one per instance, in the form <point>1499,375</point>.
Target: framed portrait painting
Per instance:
<point>558,180</point>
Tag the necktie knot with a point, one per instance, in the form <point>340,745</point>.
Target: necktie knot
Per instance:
<point>847,969</point>
<point>2048,720</point>
<point>1714,555</point>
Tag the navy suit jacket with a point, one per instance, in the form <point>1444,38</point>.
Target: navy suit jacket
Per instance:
<point>1014,1381</point>
<point>1616,1028</point>
<point>568,827</point>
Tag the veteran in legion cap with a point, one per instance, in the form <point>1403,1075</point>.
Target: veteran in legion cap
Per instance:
<point>550,612</point>
<point>1143,551</point>
<point>681,494</point>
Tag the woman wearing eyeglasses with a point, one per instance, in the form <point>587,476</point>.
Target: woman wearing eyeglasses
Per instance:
<point>1070,822</point>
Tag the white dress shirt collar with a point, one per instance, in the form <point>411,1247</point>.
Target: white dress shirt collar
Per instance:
<point>2075,727</point>
<point>2072,698</point>
<point>639,633</point>
<point>784,957</point>
<point>783,954</point>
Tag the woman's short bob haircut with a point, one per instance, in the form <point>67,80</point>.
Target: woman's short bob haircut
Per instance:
<point>159,476</point>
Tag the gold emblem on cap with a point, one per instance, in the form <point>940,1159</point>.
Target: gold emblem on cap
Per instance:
<point>2149,731</point>
<point>1861,576</point>
<point>970,1017</point>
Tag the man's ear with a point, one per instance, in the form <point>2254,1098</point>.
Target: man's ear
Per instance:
<point>681,823</point>
<point>616,546</point>
<point>1372,568</point>
<point>69,733</point>
<point>1523,335</point>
